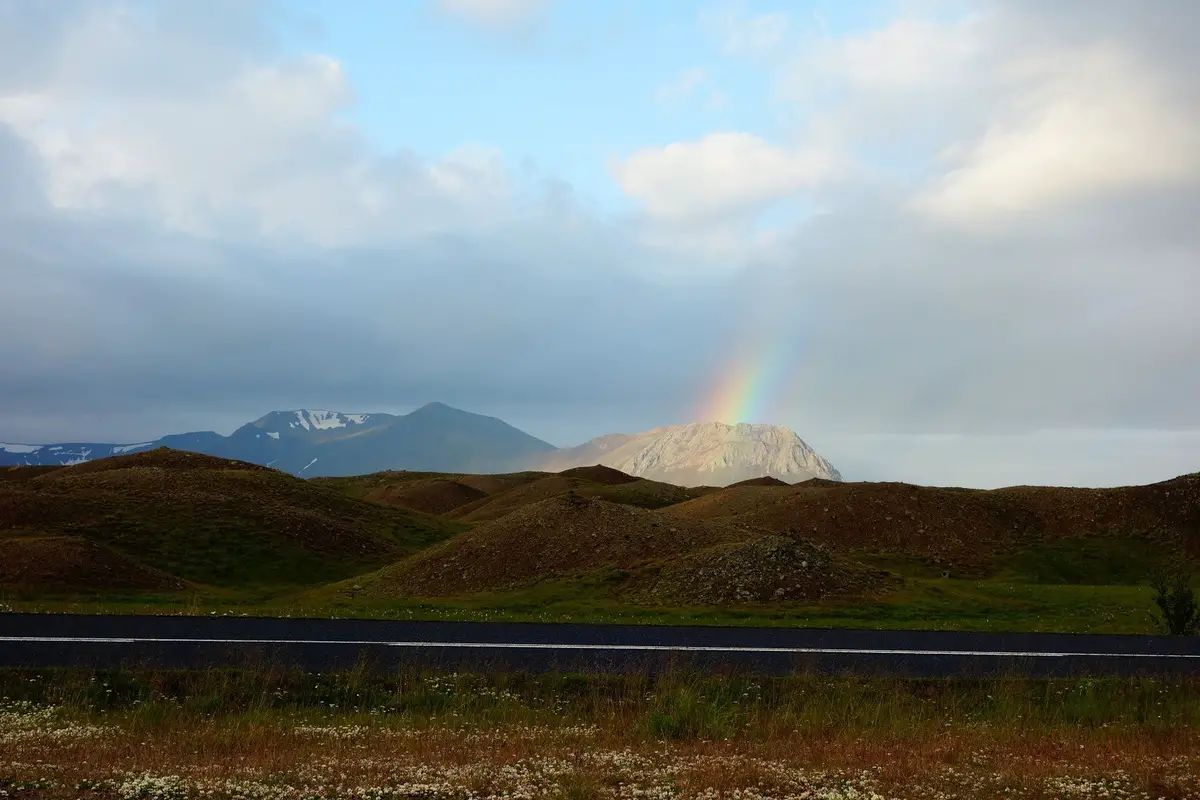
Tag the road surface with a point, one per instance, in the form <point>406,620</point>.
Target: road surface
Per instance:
<point>50,640</point>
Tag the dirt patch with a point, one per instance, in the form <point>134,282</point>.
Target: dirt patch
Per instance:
<point>762,570</point>
<point>72,564</point>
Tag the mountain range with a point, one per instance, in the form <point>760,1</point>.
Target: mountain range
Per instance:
<point>438,438</point>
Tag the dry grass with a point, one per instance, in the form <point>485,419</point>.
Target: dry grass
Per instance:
<point>513,737</point>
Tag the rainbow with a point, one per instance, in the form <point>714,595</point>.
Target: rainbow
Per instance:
<point>762,379</point>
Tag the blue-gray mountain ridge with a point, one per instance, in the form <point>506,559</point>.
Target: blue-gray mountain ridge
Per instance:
<point>310,443</point>
<point>437,438</point>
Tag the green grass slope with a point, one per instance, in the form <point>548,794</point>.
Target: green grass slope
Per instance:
<point>214,521</point>
<point>573,537</point>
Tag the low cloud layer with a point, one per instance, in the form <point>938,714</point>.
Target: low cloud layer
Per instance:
<point>978,227</point>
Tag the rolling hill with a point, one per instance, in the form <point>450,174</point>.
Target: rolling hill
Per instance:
<point>209,520</point>
<point>656,558</point>
<point>172,523</point>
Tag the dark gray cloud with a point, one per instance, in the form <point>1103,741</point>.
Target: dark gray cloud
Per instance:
<point>148,295</point>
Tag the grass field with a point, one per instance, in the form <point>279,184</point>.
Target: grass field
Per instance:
<point>934,604</point>
<point>268,734</point>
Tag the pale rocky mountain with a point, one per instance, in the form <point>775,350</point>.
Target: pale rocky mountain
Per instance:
<point>701,454</point>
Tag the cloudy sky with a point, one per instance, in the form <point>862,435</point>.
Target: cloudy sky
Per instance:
<point>946,242</point>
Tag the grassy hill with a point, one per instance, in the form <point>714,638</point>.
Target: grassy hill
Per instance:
<point>589,544</point>
<point>975,532</point>
<point>480,498</point>
<point>214,521</point>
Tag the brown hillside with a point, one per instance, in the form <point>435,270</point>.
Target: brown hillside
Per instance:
<point>766,480</point>
<point>1160,509</point>
<point>643,493</point>
<point>729,502</point>
<point>215,521</point>
<point>72,564</point>
<point>480,498</point>
<point>162,458</point>
<point>956,527</point>
<point>599,474</point>
<point>561,536</point>
<point>380,483</point>
<point>428,495</point>
<point>818,483</point>
<point>494,484</point>
<point>634,492</point>
<point>24,473</point>
<point>501,503</point>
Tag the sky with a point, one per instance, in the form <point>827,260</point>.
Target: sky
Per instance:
<point>948,242</point>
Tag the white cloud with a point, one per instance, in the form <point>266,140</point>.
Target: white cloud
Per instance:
<point>257,146</point>
<point>1011,111</point>
<point>907,55</point>
<point>1080,124</point>
<point>723,173</point>
<point>494,13</point>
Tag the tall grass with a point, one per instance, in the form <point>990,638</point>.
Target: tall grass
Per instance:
<point>674,705</point>
<point>287,735</point>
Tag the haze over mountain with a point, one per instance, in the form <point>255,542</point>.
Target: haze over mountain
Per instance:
<point>312,442</point>
<point>702,454</point>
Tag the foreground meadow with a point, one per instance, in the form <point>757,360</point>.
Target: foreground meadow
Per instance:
<point>228,734</point>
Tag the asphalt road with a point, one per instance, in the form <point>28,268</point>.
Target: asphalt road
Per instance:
<point>53,640</point>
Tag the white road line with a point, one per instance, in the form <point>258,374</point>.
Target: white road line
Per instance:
<point>615,647</point>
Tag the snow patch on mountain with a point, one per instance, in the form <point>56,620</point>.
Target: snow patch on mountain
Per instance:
<point>318,419</point>
<point>20,448</point>
<point>129,448</point>
<point>83,455</point>
<point>273,434</point>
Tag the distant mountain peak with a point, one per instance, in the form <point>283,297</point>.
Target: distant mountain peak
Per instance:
<point>309,419</point>
<point>317,441</point>
<point>712,453</point>
<point>437,407</point>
